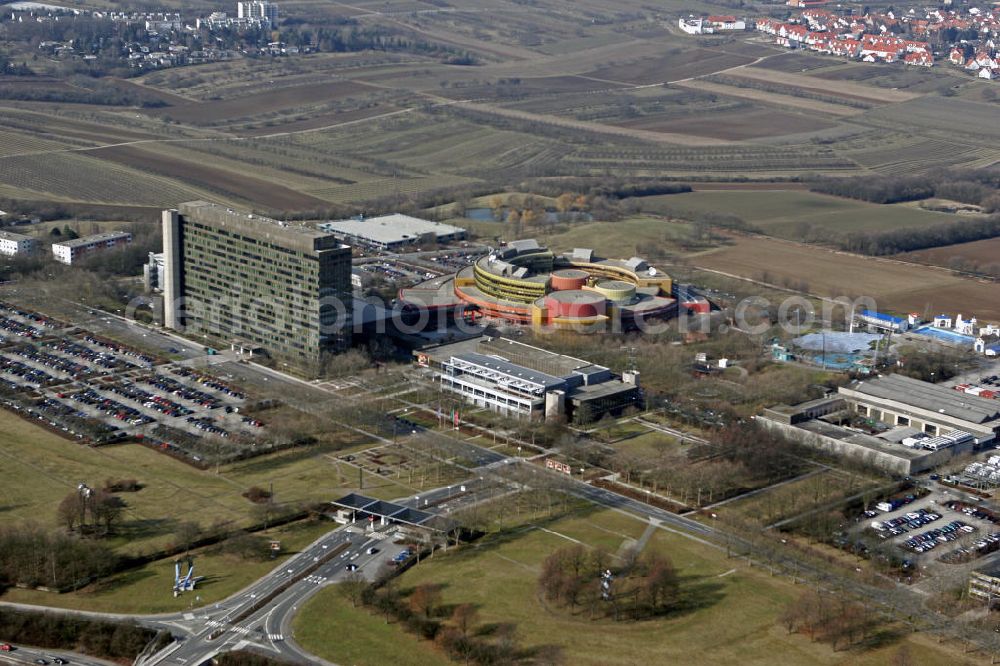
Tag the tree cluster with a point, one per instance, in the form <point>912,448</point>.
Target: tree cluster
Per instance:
<point>99,638</point>
<point>245,658</point>
<point>610,187</point>
<point>126,260</point>
<point>122,486</point>
<point>931,366</point>
<point>91,511</point>
<point>33,557</point>
<point>352,36</point>
<point>96,92</point>
<point>831,619</point>
<point>971,186</point>
<point>878,243</point>
<point>768,456</point>
<point>642,587</point>
<point>10,68</point>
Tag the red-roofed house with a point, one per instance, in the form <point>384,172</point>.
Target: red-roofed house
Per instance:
<point>921,58</point>
<point>845,46</point>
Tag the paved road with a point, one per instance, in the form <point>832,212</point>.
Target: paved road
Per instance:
<point>236,622</point>
<point>30,655</point>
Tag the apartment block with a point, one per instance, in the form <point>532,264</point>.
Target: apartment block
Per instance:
<point>13,245</point>
<point>70,251</point>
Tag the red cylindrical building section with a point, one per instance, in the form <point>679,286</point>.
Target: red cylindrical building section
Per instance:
<point>575,304</point>
<point>700,306</point>
<point>569,279</point>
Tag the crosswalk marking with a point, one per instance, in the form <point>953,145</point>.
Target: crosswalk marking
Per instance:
<point>246,631</point>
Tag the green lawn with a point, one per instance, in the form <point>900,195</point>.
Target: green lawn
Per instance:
<point>148,589</point>
<point>731,617</point>
<point>329,626</point>
<point>651,444</point>
<point>625,238</point>
<point>41,468</point>
<point>786,214</point>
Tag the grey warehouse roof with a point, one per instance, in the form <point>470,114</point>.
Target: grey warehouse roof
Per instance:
<point>930,397</point>
<point>387,229</point>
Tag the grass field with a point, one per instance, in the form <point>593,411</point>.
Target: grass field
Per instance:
<point>796,214</point>
<point>364,638</point>
<point>633,236</point>
<point>730,619</point>
<point>651,445</point>
<point>896,287</point>
<point>148,588</point>
<point>41,468</point>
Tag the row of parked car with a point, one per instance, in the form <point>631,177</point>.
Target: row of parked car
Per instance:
<point>105,360</point>
<point>66,418</point>
<point>922,543</point>
<point>902,524</point>
<point>158,403</point>
<point>210,382</point>
<point>25,372</point>
<point>19,329</point>
<point>33,317</point>
<point>974,511</point>
<point>174,387</point>
<point>989,543</point>
<point>249,420</point>
<point>206,425</point>
<point>57,363</point>
<point>143,359</point>
<point>111,407</point>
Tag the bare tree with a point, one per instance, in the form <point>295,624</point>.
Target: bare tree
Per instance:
<point>424,599</point>
<point>71,510</point>
<point>353,587</point>
<point>464,619</point>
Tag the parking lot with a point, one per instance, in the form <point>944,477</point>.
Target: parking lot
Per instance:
<point>938,527</point>
<point>100,391</point>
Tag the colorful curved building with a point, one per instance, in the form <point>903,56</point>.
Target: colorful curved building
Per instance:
<point>525,283</point>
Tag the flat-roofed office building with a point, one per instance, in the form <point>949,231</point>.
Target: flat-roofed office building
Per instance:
<point>934,409</point>
<point>244,279</point>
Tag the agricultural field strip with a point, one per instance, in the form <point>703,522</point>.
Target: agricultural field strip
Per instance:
<point>847,89</point>
<point>181,154</point>
<point>105,181</point>
<point>597,128</point>
<point>14,141</point>
<point>901,286</point>
<point>771,98</point>
<point>209,139</point>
